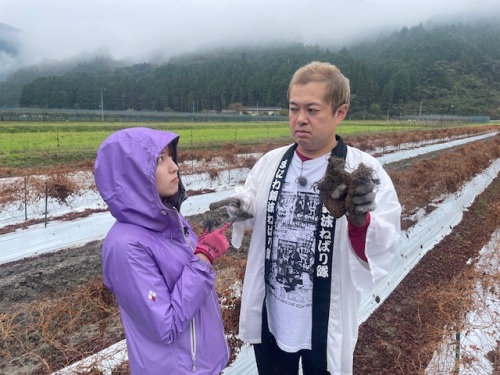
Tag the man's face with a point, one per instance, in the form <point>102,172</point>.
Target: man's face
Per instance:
<point>312,123</point>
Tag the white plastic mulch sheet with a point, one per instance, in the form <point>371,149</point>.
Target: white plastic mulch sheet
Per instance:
<point>416,242</point>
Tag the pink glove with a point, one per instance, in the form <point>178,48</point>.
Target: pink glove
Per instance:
<point>213,244</point>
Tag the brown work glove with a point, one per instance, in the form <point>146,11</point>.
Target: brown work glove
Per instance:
<point>235,208</point>
<point>360,198</point>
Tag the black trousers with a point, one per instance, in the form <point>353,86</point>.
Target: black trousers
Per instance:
<point>271,360</point>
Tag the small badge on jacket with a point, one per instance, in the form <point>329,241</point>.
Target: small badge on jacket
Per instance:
<point>152,295</point>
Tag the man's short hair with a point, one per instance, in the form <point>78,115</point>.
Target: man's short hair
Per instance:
<point>337,91</point>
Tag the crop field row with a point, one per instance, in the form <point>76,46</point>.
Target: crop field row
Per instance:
<point>56,310</point>
<point>43,144</point>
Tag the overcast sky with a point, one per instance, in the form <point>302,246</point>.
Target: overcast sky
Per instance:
<point>139,29</point>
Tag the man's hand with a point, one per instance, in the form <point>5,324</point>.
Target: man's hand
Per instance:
<point>364,198</point>
<point>234,208</point>
<point>361,195</point>
<point>213,244</point>
<point>352,194</point>
<point>333,187</point>
<point>340,192</point>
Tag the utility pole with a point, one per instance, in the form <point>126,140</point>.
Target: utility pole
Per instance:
<point>102,105</point>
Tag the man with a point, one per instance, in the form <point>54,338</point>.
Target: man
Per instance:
<point>306,268</point>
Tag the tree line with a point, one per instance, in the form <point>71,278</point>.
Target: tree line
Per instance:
<point>448,69</point>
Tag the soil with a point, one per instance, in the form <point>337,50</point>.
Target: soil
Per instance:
<point>398,336</point>
<point>394,340</point>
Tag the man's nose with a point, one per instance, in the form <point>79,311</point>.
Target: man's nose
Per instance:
<point>302,117</point>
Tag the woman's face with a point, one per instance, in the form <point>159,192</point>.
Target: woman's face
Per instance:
<point>167,181</point>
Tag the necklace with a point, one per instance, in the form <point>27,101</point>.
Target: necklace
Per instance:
<point>301,180</point>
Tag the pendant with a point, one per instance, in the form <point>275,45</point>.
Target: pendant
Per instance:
<point>302,181</point>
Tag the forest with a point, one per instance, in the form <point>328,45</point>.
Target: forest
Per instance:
<point>423,70</point>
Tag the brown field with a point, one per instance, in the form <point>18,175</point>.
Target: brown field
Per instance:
<point>55,310</point>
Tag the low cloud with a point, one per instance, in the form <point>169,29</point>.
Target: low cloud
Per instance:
<point>60,29</point>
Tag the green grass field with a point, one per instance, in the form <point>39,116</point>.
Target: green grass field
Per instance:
<point>28,144</point>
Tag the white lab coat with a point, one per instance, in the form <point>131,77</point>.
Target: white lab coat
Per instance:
<point>350,275</point>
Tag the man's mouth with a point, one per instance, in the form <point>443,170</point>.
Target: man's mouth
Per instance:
<point>301,132</point>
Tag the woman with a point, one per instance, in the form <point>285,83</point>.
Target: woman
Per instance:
<point>154,264</point>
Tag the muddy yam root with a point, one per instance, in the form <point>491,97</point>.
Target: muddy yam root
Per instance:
<point>335,176</point>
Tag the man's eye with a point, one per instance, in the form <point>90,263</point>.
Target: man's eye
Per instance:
<point>313,110</point>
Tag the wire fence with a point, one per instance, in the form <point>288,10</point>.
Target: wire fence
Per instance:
<point>62,115</point>
<point>41,144</point>
<point>41,198</point>
<point>38,195</point>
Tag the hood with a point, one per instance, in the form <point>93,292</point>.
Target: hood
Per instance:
<point>125,175</point>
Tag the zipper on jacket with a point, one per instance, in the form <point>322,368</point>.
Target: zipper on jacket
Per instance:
<point>192,329</point>
<point>215,301</point>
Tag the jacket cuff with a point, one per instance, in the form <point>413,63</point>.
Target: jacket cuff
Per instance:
<point>357,236</point>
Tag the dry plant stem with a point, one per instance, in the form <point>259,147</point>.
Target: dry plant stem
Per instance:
<point>44,331</point>
<point>427,179</point>
<point>411,323</point>
<point>395,340</point>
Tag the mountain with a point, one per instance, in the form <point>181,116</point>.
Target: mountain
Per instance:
<point>431,69</point>
<point>7,39</point>
<point>9,48</point>
<point>444,68</point>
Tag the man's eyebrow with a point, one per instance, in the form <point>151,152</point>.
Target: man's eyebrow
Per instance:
<point>305,104</point>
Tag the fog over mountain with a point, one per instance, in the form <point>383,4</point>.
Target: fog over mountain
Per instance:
<point>33,31</point>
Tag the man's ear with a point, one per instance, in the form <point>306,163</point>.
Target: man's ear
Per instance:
<point>342,111</point>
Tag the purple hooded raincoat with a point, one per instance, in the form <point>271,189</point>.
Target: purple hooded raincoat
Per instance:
<point>166,294</point>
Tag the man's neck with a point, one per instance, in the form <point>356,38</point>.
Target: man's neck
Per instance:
<point>313,154</point>
<point>301,156</point>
